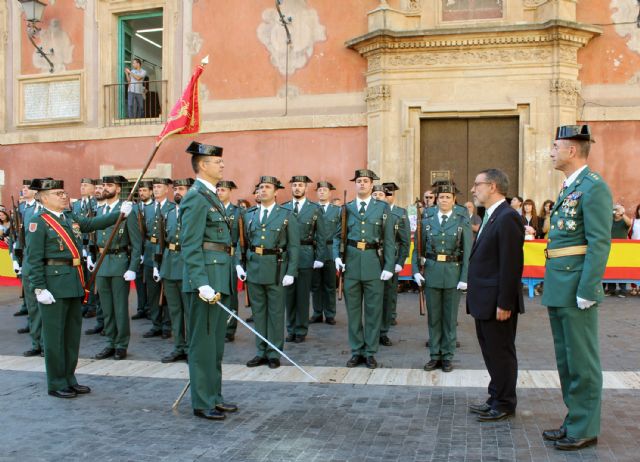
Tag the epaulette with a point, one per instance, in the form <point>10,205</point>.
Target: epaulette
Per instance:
<point>594,177</point>
<point>287,206</point>
<point>253,208</point>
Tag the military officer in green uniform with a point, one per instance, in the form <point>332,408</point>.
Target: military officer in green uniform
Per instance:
<point>234,212</point>
<point>272,265</point>
<point>577,251</point>
<point>323,285</point>
<point>312,256</point>
<point>17,249</point>
<point>369,260</point>
<point>54,240</point>
<point>145,200</point>
<point>99,201</point>
<point>170,272</point>
<point>153,256</point>
<point>208,274</point>
<point>118,269</point>
<point>446,246</point>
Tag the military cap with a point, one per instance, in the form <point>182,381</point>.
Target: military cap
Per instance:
<point>364,173</point>
<point>200,149</point>
<point>88,181</point>
<point>226,184</point>
<point>116,179</point>
<point>325,184</point>
<point>391,186</point>
<point>446,186</point>
<point>300,179</point>
<point>97,181</point>
<point>26,182</point>
<point>184,182</point>
<point>145,184</point>
<point>574,132</point>
<point>381,188</point>
<point>45,184</point>
<point>272,180</point>
<point>162,181</point>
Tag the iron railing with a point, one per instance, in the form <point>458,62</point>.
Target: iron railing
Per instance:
<point>117,111</point>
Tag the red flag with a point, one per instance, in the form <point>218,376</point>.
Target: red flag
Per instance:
<point>185,115</point>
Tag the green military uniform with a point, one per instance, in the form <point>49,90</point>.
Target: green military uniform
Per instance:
<point>446,248</point>
<point>274,247</point>
<point>580,217</point>
<point>233,212</point>
<point>18,256</point>
<point>370,249</point>
<point>323,287</point>
<point>52,267</point>
<point>88,207</point>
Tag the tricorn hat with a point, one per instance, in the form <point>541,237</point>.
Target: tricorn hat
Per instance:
<point>184,182</point>
<point>26,182</point>
<point>574,132</point>
<point>45,184</point>
<point>382,188</point>
<point>116,179</point>
<point>325,184</point>
<point>145,184</point>
<point>445,186</point>
<point>97,181</point>
<point>200,149</point>
<point>364,173</point>
<point>391,186</point>
<point>162,181</point>
<point>272,180</point>
<point>226,184</point>
<point>88,181</point>
<point>300,179</point>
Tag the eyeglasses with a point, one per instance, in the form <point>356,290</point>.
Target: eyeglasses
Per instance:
<point>475,185</point>
<point>429,197</point>
<point>60,194</point>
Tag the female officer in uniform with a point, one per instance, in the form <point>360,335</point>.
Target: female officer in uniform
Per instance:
<point>446,245</point>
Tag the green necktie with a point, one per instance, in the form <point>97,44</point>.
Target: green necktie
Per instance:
<point>363,209</point>
<point>296,210</point>
<point>444,220</point>
<point>485,219</point>
<point>264,217</point>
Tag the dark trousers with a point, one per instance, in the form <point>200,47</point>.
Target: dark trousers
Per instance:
<point>159,313</point>
<point>141,290</point>
<point>297,303</point>
<point>498,344</point>
<point>323,290</point>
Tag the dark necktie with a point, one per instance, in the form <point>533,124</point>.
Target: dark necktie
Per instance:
<point>264,217</point>
<point>107,210</point>
<point>296,210</point>
<point>444,221</point>
<point>363,208</point>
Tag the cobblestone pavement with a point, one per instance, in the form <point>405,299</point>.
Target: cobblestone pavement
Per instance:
<point>129,418</point>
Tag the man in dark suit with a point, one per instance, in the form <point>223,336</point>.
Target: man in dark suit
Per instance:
<point>494,296</point>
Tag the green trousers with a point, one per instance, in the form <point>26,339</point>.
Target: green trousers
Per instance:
<point>207,324</point>
<point>34,316</point>
<point>177,303</point>
<point>267,306</point>
<point>61,326</point>
<point>364,324</point>
<point>114,299</point>
<point>389,302</point>
<point>232,325</point>
<point>575,337</point>
<point>159,314</point>
<point>323,290</point>
<point>297,303</point>
<point>442,312</point>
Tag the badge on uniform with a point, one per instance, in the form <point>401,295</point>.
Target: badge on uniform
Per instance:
<point>571,225</point>
<point>33,227</point>
<point>76,230</point>
<point>560,224</point>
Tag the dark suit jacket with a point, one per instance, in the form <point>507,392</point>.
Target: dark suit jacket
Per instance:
<point>495,266</point>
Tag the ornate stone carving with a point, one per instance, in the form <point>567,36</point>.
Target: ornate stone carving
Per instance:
<point>534,3</point>
<point>375,63</point>
<point>378,98</point>
<point>193,43</point>
<point>568,54</point>
<point>413,6</point>
<point>567,91</point>
<point>490,57</point>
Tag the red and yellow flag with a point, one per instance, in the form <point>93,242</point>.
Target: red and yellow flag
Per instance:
<point>184,118</point>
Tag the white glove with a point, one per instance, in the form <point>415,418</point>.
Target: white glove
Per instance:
<point>156,275</point>
<point>339,265</point>
<point>287,280</point>
<point>462,286</point>
<point>16,267</point>
<point>584,304</point>
<point>419,278</point>
<point>317,264</point>
<point>84,253</point>
<point>207,292</point>
<point>126,208</point>
<point>45,297</point>
<point>90,265</point>
<point>129,276</point>
<point>242,275</point>
<point>141,259</point>
<point>386,275</point>
<point>398,268</point>
<point>423,260</point>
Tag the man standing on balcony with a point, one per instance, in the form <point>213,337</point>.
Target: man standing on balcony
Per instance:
<point>135,101</point>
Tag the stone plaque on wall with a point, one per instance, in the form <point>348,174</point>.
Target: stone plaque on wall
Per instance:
<point>50,100</point>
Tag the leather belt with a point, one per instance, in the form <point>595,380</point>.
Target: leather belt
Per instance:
<point>330,242</point>
<point>264,251</point>
<point>62,262</point>
<point>443,257</point>
<point>112,251</point>
<point>218,247</point>
<point>363,245</point>
<point>174,247</point>
<point>153,240</point>
<point>565,251</point>
<point>307,242</point>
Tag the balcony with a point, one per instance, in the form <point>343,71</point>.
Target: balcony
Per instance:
<point>119,113</point>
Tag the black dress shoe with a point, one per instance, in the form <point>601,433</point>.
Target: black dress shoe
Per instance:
<point>574,444</point>
<point>331,321</point>
<point>447,365</point>
<point>300,339</point>
<point>554,434</point>
<point>315,319</point>
<point>21,313</point>
<point>80,389</point>
<point>210,414</point>
<point>64,393</point>
<point>384,340</point>
<point>229,338</point>
<point>371,362</point>
<point>89,314</point>
<point>173,357</point>
<point>290,338</point>
<point>24,330</point>
<point>249,319</point>
<point>274,363</point>
<point>32,352</point>
<point>93,330</point>
<point>257,361</point>
<point>152,333</point>
<point>479,408</point>
<point>431,365</point>
<point>226,407</point>
<point>166,335</point>
<point>139,315</point>
<point>106,353</point>
<point>494,416</point>
<point>121,353</point>
<point>355,360</point>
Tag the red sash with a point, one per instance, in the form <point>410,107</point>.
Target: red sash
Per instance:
<point>70,245</point>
